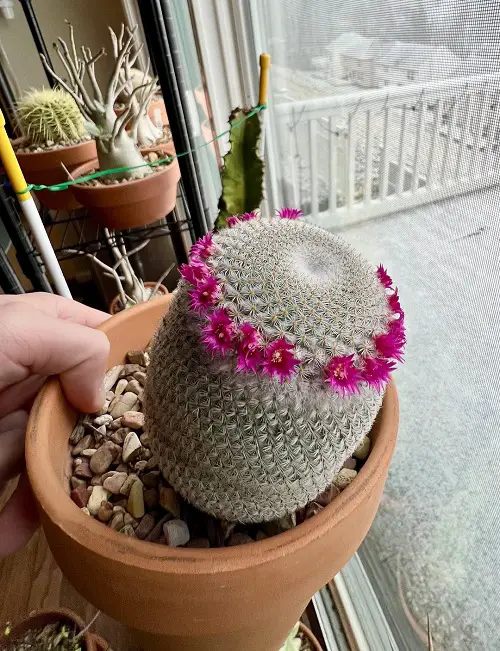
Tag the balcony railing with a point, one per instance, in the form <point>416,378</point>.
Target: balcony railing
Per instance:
<point>361,155</point>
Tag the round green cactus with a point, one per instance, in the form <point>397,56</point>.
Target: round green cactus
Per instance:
<point>269,367</point>
<point>50,115</point>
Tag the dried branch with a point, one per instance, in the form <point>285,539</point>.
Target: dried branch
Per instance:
<point>160,280</point>
<point>75,67</point>
<point>90,62</point>
<point>131,110</point>
<point>115,75</point>
<point>62,83</point>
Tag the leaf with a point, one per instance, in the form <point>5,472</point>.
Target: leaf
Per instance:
<point>242,176</point>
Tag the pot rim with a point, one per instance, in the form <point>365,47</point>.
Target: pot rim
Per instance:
<point>82,170</point>
<point>305,630</point>
<point>59,613</point>
<point>18,141</point>
<point>142,555</point>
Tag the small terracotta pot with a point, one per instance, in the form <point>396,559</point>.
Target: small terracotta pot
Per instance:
<point>246,597</point>
<point>41,618</point>
<point>306,632</point>
<point>44,168</point>
<point>131,204</point>
<point>113,306</point>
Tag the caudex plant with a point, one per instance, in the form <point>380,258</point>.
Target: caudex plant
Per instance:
<point>117,137</point>
<point>50,117</point>
<point>131,289</point>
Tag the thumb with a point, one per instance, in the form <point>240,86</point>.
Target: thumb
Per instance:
<point>35,343</point>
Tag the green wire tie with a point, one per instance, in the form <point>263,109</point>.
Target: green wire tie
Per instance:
<point>58,187</point>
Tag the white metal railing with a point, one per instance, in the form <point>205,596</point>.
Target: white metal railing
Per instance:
<point>365,154</point>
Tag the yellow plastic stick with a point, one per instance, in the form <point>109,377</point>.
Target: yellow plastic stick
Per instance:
<point>10,163</point>
<point>265,62</point>
<point>30,211</point>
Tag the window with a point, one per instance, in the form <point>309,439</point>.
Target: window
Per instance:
<point>433,548</point>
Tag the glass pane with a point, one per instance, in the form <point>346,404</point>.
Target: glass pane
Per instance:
<point>384,126</point>
<point>199,118</point>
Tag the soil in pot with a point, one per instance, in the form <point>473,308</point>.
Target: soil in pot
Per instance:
<point>57,630</point>
<point>116,304</point>
<point>117,480</point>
<point>130,203</point>
<point>43,166</point>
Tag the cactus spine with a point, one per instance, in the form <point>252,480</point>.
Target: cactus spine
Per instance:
<point>50,115</point>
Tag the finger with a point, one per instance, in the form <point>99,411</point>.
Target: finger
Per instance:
<point>18,519</point>
<point>12,432</point>
<point>33,343</point>
<point>59,307</point>
<point>21,395</point>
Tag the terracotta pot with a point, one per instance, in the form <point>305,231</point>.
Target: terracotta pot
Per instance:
<point>306,632</point>
<point>113,306</point>
<point>44,168</point>
<point>246,597</point>
<point>201,99</point>
<point>157,104</point>
<point>131,204</point>
<point>41,618</point>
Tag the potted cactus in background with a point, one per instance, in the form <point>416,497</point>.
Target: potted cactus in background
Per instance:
<point>55,142</point>
<point>138,194</point>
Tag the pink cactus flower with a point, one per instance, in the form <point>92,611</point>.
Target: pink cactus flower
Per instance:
<point>342,375</point>
<point>203,248</point>
<point>205,295</point>
<point>279,359</point>
<point>232,221</point>
<point>377,370</point>
<point>247,216</point>
<point>384,277</point>
<point>390,345</point>
<point>218,334</point>
<point>290,213</point>
<point>394,304</point>
<point>250,353</point>
<point>195,272</point>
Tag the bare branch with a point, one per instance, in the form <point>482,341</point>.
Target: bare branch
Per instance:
<point>66,66</point>
<point>72,40</point>
<point>121,122</point>
<point>160,280</point>
<point>127,254</point>
<point>144,102</point>
<point>107,270</point>
<point>114,41</point>
<point>75,67</point>
<point>131,110</point>
<point>90,66</point>
<point>115,75</point>
<point>63,84</point>
<point>134,57</point>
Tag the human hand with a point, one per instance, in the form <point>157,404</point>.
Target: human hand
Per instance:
<point>41,335</point>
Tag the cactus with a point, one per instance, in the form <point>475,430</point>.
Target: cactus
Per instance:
<point>50,115</point>
<point>242,176</point>
<point>269,367</point>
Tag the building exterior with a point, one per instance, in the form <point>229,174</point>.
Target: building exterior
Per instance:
<point>412,63</point>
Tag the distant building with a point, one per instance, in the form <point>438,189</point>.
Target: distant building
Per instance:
<point>353,59</point>
<point>413,63</point>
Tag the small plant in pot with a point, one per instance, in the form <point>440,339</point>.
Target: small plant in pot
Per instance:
<point>139,193</point>
<point>55,142</point>
<point>131,289</point>
<point>54,630</point>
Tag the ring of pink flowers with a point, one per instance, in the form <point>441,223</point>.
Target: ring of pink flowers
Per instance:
<point>276,358</point>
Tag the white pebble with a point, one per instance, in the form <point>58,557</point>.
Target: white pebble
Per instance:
<point>98,495</point>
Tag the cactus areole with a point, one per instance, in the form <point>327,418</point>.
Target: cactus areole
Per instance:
<point>270,366</point>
